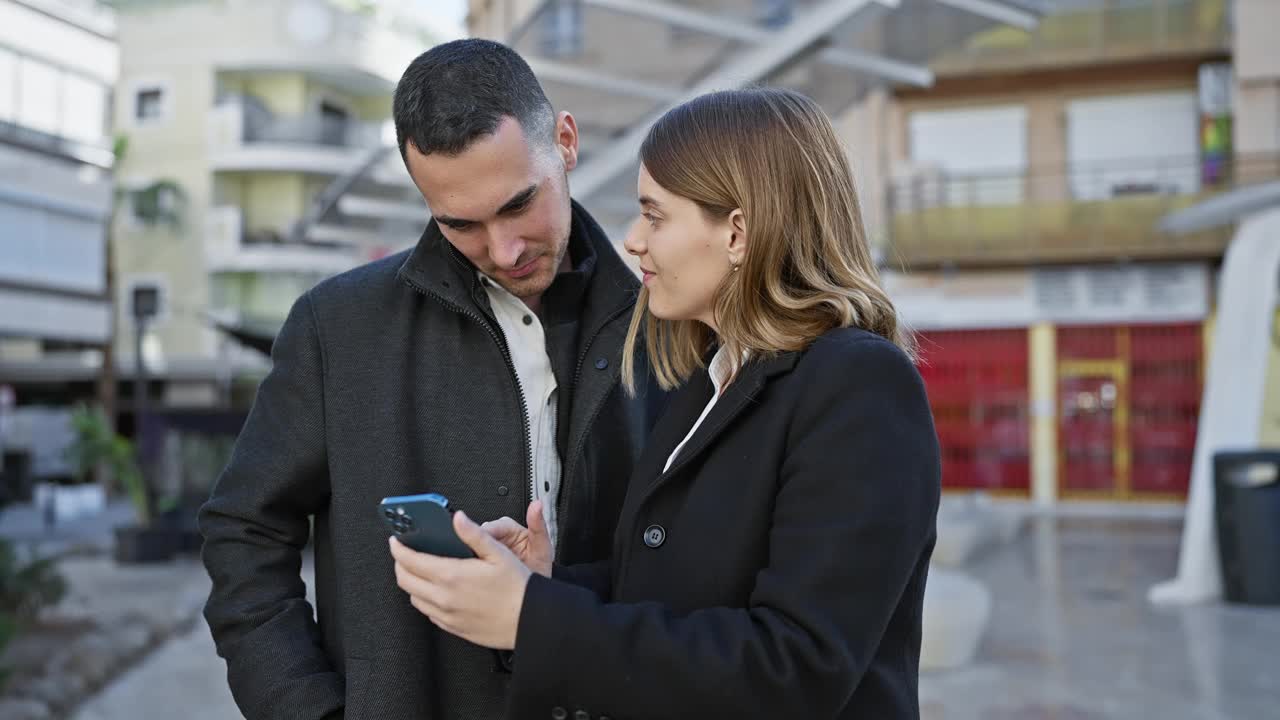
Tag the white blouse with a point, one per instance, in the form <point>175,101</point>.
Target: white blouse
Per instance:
<point>719,370</point>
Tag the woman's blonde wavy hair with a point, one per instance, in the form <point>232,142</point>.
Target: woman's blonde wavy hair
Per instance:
<point>807,267</point>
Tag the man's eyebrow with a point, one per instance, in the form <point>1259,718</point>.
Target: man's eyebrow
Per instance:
<point>516,201</point>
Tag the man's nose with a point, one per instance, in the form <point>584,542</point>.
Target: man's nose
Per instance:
<point>506,252</point>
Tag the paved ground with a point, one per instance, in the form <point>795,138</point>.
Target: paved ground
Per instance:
<point>185,674</point>
<point>185,678</point>
<point>1073,638</point>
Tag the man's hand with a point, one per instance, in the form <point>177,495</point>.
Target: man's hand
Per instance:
<point>531,544</point>
<point>478,599</point>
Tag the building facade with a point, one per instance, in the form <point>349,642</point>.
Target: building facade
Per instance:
<point>253,110</point>
<point>58,65</point>
<point>1014,192</point>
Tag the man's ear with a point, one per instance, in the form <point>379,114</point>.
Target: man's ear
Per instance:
<point>567,140</point>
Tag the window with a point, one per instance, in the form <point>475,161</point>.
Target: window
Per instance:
<point>334,121</point>
<point>8,86</point>
<point>562,28</point>
<point>150,105</point>
<point>39,87</point>
<point>84,109</point>
<point>969,156</point>
<point>1133,144</point>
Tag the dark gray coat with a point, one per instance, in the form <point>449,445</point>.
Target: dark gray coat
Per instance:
<point>393,379</point>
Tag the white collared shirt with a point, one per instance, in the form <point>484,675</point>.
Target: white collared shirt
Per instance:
<point>527,342</point>
<point>720,371</point>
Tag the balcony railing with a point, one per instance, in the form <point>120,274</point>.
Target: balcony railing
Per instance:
<point>313,130</point>
<point>1092,31</point>
<point>231,246</point>
<point>1100,212</point>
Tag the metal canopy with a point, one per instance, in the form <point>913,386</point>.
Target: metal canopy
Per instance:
<point>619,64</point>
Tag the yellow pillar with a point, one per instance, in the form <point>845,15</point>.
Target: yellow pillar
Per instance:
<point>1042,369</point>
<point>1269,434</point>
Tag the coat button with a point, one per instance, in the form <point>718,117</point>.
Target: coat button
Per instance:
<point>602,363</point>
<point>654,536</point>
<point>502,490</point>
<point>559,714</point>
<point>582,715</point>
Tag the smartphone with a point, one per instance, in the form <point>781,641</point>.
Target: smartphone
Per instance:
<point>424,523</point>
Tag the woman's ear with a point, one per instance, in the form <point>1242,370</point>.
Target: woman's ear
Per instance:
<point>737,237</point>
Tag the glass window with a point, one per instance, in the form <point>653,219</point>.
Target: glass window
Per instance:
<point>39,87</point>
<point>562,28</point>
<point>84,109</point>
<point>8,86</point>
<point>149,105</point>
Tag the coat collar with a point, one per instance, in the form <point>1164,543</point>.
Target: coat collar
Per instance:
<point>599,284</point>
<point>689,402</point>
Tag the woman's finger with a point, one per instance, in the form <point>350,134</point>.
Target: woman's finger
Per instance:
<point>481,543</point>
<point>430,567</point>
<point>504,529</point>
<point>437,596</point>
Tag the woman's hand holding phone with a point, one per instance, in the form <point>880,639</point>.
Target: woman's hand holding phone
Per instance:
<point>532,544</point>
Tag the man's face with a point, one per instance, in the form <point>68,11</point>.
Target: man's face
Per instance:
<point>504,202</point>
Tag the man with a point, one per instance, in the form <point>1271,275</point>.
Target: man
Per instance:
<point>482,365</point>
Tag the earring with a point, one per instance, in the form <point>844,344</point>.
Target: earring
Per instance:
<point>736,267</point>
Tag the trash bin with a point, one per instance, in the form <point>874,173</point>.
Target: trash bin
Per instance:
<point>1247,507</point>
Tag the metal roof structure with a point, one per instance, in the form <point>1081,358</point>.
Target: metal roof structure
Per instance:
<point>619,64</point>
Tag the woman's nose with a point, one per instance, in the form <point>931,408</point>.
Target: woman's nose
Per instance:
<point>633,243</point>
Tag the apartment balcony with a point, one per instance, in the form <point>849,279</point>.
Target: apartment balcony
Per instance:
<point>244,140</point>
<point>1103,212</point>
<point>232,247</point>
<point>1095,31</point>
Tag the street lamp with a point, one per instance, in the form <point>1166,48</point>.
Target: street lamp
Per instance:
<point>145,305</point>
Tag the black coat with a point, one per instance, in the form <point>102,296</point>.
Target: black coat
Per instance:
<point>392,379</point>
<point>776,571</point>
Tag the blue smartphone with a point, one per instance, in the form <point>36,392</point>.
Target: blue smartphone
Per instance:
<point>424,523</point>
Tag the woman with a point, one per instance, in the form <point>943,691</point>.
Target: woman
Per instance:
<point>771,554</point>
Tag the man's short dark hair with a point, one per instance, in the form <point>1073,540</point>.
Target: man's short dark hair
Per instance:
<point>458,92</point>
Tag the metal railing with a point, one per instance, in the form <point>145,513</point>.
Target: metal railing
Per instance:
<point>1096,212</point>
<point>312,130</point>
<point>1093,31</point>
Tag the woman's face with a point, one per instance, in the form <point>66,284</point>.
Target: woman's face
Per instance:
<point>683,254</point>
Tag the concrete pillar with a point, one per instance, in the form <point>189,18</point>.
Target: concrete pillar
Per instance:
<point>1042,369</point>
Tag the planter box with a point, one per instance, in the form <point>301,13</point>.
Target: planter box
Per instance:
<point>139,545</point>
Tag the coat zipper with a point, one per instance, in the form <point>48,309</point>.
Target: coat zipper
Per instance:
<point>506,355</point>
